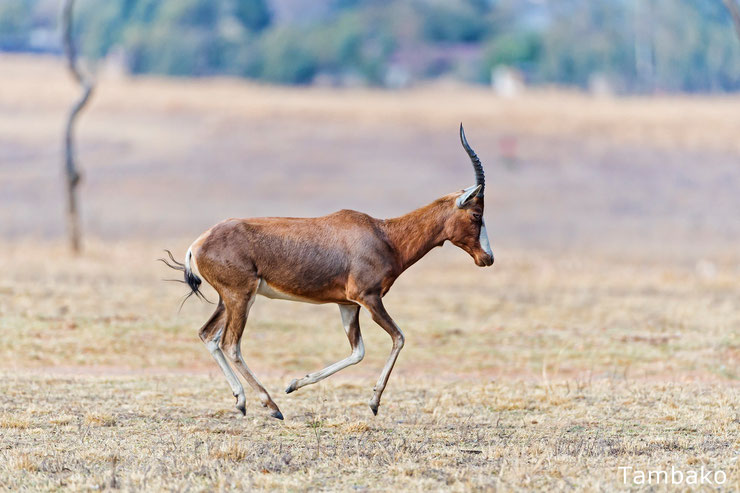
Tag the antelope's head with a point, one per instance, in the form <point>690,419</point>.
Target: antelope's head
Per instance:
<point>465,227</point>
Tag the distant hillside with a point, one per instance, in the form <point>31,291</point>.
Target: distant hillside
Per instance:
<point>620,45</point>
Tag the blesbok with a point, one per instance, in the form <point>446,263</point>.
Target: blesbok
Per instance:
<point>347,258</point>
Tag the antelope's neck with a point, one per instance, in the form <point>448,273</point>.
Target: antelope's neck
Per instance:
<point>417,232</point>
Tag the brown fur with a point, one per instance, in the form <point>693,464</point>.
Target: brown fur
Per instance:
<point>347,258</point>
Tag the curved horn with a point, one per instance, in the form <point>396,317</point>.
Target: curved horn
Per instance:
<point>480,178</point>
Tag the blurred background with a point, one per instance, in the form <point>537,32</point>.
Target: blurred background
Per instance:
<point>609,46</point>
<point>608,132</point>
<point>606,334</point>
<point>609,124</point>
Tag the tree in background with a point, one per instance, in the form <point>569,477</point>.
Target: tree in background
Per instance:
<point>15,22</point>
<point>253,14</point>
<point>587,38</point>
<point>285,58</point>
<point>640,45</point>
<point>454,22</point>
<point>72,174</point>
<point>695,49</point>
<point>637,45</point>
<point>734,9</point>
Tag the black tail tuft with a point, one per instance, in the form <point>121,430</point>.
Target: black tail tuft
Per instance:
<point>194,282</point>
<point>191,279</point>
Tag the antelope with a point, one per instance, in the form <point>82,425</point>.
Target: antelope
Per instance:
<point>347,258</point>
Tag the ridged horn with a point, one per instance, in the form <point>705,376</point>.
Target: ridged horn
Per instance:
<point>480,177</point>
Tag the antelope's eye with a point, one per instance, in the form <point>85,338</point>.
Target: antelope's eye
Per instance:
<point>476,216</point>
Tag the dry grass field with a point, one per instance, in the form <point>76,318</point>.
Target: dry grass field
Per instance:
<point>605,335</point>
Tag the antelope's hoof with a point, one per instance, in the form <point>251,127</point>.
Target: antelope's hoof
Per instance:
<point>277,414</point>
<point>291,387</point>
<point>374,408</point>
<point>241,405</point>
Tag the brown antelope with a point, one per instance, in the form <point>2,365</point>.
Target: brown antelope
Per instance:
<point>347,258</point>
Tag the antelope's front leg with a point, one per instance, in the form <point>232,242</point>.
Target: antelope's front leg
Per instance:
<point>375,306</point>
<point>351,322</point>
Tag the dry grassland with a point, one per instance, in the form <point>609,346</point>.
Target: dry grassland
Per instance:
<point>669,121</point>
<point>170,433</point>
<point>606,334</point>
<point>543,374</point>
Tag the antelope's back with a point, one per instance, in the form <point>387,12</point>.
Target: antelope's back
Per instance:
<point>311,258</point>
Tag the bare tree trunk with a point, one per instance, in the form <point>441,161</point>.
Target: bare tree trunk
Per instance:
<point>734,9</point>
<point>72,174</point>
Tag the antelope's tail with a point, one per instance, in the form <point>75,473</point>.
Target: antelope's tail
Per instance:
<point>191,278</point>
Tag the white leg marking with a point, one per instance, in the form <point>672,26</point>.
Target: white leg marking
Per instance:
<point>214,347</point>
<point>348,312</point>
<point>235,354</point>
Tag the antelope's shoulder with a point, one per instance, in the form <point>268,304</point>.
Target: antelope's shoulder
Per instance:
<point>351,217</point>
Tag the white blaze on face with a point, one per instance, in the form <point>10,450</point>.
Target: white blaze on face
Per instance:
<point>485,245</point>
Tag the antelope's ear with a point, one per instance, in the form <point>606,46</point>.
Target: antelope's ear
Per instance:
<point>468,194</point>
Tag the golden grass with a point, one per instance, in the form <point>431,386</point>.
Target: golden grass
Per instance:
<point>534,314</point>
<point>231,450</point>
<point>24,462</point>
<point>463,442</point>
<point>547,372</point>
<point>99,419</point>
<point>19,422</point>
<point>62,420</point>
<point>699,122</point>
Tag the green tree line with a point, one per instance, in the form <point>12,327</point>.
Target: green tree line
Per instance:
<point>664,45</point>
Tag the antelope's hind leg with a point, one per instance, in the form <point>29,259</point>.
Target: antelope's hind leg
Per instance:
<point>211,334</point>
<point>237,311</point>
<point>351,322</point>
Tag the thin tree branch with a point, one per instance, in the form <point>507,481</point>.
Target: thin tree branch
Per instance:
<point>734,9</point>
<point>73,175</point>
